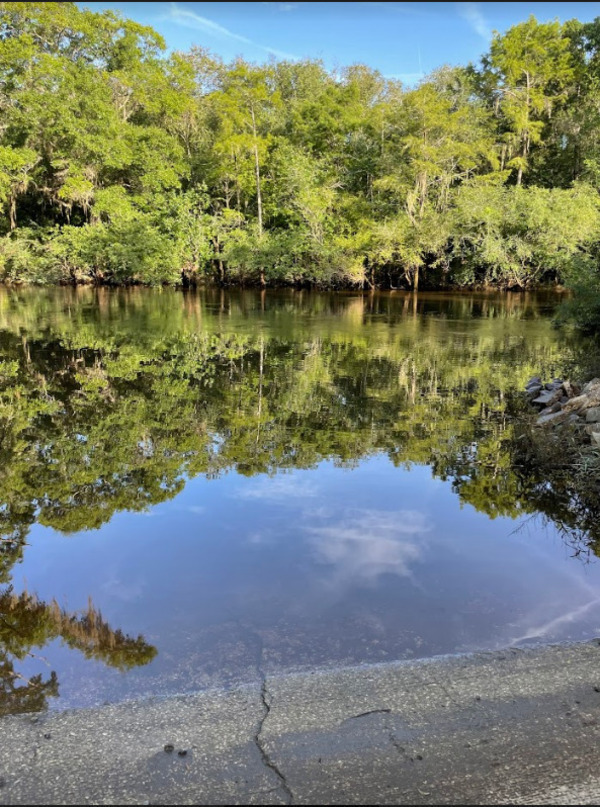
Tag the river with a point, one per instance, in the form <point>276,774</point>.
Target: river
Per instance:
<point>197,486</point>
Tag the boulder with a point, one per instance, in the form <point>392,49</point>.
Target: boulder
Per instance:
<point>571,390</point>
<point>595,382</point>
<point>593,415</point>
<point>555,407</point>
<point>553,419</point>
<point>548,397</point>
<point>595,438</point>
<point>586,400</point>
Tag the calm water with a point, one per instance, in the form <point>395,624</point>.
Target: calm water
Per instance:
<point>194,485</point>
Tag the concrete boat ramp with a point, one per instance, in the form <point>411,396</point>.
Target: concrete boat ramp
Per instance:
<point>518,727</point>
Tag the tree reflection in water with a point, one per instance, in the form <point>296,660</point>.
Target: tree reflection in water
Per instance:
<point>109,401</point>
<point>27,623</point>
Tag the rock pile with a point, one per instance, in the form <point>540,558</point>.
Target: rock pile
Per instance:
<point>567,402</point>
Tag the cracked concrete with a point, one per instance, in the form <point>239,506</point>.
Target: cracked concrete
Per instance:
<point>520,727</point>
<point>258,739</point>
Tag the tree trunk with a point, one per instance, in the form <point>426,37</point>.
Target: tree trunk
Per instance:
<point>260,385</point>
<point>258,194</point>
<point>257,171</point>
<point>219,260</point>
<point>525,135</point>
<point>12,211</point>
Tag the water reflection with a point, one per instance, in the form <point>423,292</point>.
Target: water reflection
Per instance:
<point>337,475</point>
<point>366,544</point>
<point>26,623</point>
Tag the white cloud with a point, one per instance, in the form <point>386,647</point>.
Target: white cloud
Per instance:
<point>471,12</point>
<point>189,19</point>
<point>125,590</point>
<point>281,6</point>
<point>370,543</point>
<point>279,488</point>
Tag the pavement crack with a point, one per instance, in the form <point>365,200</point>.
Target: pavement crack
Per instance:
<point>264,699</point>
<point>370,712</point>
<point>264,754</point>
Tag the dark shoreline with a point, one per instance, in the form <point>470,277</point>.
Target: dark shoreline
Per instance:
<point>310,287</point>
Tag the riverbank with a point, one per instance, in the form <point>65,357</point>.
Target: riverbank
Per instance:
<point>516,726</point>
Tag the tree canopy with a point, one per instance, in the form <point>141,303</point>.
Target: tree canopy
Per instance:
<point>122,163</point>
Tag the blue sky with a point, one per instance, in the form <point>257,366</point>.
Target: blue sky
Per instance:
<point>402,40</point>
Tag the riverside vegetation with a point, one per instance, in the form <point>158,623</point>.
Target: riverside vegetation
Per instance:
<point>122,164</point>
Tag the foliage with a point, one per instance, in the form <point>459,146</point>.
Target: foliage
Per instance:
<point>122,164</point>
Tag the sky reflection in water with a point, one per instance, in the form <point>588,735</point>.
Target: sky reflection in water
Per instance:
<point>359,552</point>
<point>340,574</point>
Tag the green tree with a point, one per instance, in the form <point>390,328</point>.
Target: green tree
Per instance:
<point>532,68</point>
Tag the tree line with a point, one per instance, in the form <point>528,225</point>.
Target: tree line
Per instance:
<point>121,163</point>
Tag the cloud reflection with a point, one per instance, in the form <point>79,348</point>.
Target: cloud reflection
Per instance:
<point>370,543</point>
<point>278,488</point>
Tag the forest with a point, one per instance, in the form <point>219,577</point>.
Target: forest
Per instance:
<point>123,163</point>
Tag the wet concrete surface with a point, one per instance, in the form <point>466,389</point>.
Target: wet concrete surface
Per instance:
<point>518,726</point>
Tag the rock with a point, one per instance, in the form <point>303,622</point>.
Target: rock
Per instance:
<point>548,397</point>
<point>555,407</point>
<point>586,400</point>
<point>553,419</point>
<point>535,380</point>
<point>571,390</point>
<point>593,415</point>
<point>595,382</point>
<point>579,402</point>
<point>595,438</point>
